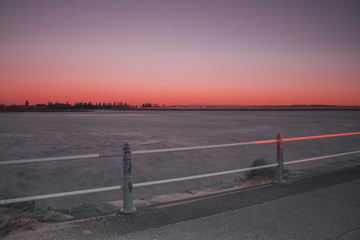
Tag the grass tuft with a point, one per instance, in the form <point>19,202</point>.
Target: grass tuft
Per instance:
<point>261,173</point>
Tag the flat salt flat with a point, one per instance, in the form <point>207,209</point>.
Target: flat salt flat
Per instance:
<point>36,135</point>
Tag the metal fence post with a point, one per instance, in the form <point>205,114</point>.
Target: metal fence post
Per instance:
<point>280,161</point>
<point>128,207</point>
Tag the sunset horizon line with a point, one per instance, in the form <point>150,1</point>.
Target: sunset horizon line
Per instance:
<point>155,104</point>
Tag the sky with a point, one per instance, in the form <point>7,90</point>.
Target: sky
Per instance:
<point>207,52</point>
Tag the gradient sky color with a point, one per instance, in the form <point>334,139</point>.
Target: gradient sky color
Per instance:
<point>227,52</point>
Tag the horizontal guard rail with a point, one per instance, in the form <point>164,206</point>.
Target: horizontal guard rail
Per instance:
<point>64,158</point>
<point>103,189</point>
<point>321,136</point>
<point>239,144</point>
<point>320,158</point>
<point>62,194</point>
<point>98,155</point>
<point>171,180</point>
<point>194,148</point>
<point>143,184</point>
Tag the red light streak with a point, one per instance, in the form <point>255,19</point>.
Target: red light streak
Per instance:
<point>265,141</point>
<point>320,136</point>
<point>307,138</point>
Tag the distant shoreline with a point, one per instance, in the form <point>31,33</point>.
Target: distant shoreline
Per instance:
<point>89,106</point>
<point>249,108</point>
<point>262,108</point>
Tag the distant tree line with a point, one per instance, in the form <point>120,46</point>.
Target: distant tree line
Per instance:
<point>50,106</point>
<point>89,106</point>
<point>99,105</point>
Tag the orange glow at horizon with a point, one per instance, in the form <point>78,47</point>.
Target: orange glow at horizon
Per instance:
<point>203,90</point>
<point>240,53</point>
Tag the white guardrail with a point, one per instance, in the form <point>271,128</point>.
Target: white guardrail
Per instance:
<point>127,187</point>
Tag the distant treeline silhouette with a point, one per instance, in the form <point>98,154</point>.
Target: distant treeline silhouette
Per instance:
<point>89,106</point>
<point>50,106</point>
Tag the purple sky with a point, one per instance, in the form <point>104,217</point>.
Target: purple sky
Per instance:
<point>181,52</point>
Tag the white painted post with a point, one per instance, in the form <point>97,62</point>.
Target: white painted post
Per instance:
<point>280,160</point>
<point>128,207</point>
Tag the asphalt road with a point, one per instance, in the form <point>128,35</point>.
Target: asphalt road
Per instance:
<point>325,206</point>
